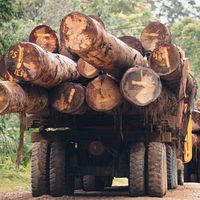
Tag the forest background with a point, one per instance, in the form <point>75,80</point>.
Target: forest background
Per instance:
<point>121,17</point>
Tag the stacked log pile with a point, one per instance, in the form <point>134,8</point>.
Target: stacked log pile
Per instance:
<point>90,69</point>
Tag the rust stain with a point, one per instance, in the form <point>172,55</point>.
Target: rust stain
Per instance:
<point>106,99</point>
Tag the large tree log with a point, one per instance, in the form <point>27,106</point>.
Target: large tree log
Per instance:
<point>165,60</point>
<point>86,70</point>
<point>98,19</point>
<point>133,42</point>
<point>154,34</point>
<point>68,98</point>
<point>28,62</point>
<point>141,86</point>
<point>25,98</point>
<point>103,94</point>
<point>4,74</point>
<point>45,37</point>
<point>84,36</point>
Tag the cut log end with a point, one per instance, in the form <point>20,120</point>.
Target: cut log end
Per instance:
<point>165,59</point>
<point>45,37</point>
<point>20,57</point>
<point>102,94</point>
<point>141,86</point>
<point>77,32</point>
<point>68,97</point>
<point>86,70</point>
<point>154,34</point>
<point>133,42</point>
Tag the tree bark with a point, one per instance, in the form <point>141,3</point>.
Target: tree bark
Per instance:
<point>103,94</point>
<point>28,62</point>
<point>133,42</point>
<point>25,98</point>
<point>86,70</point>
<point>4,74</point>
<point>154,34</point>
<point>141,86</point>
<point>68,98</point>
<point>84,36</point>
<point>45,37</point>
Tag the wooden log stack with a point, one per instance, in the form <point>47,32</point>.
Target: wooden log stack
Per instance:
<point>93,70</point>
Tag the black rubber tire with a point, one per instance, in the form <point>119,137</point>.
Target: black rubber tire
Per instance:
<point>60,183</point>
<point>137,169</point>
<point>170,178</point>
<point>180,177</point>
<point>108,181</point>
<point>157,169</point>
<point>198,167</point>
<point>40,168</point>
<point>89,183</point>
<point>175,170</point>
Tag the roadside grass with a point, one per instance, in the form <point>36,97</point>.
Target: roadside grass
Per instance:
<point>15,179</point>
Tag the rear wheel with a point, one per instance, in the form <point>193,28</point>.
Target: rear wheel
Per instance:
<point>137,169</point>
<point>60,182</point>
<point>89,183</point>
<point>157,169</point>
<point>92,183</point>
<point>175,181</point>
<point>170,178</point>
<point>40,168</point>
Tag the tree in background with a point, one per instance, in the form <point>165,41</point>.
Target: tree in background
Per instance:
<point>187,35</point>
<point>172,11</point>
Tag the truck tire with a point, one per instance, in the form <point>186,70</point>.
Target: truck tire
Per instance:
<point>180,177</point>
<point>157,169</point>
<point>170,174</point>
<point>89,183</point>
<point>40,168</point>
<point>60,183</point>
<point>137,169</point>
<point>93,183</point>
<point>108,181</point>
<point>175,170</point>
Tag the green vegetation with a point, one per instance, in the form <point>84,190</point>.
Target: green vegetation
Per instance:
<point>121,17</point>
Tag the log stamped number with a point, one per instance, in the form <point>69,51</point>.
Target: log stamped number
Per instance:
<point>19,54</point>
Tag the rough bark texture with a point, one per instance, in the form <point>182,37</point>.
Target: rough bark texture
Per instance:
<point>98,19</point>
<point>15,98</point>
<point>133,42</point>
<point>102,94</point>
<point>141,86</point>
<point>83,35</point>
<point>4,74</point>
<point>28,62</point>
<point>154,34</point>
<point>86,70</point>
<point>166,61</point>
<point>68,98</point>
<point>45,37</point>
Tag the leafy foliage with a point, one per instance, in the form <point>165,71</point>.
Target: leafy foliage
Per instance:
<point>187,35</point>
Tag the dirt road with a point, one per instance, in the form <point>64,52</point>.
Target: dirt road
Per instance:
<point>190,191</point>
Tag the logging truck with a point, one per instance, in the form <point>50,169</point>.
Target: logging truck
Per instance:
<point>122,110</point>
